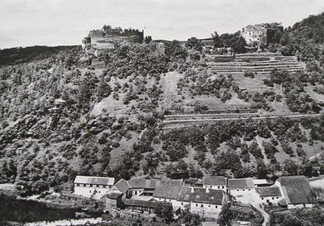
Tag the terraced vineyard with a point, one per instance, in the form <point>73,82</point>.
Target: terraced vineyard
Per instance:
<point>258,63</point>
<point>180,121</point>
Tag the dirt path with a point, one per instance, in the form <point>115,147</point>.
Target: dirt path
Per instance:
<point>239,118</point>
<point>265,215</point>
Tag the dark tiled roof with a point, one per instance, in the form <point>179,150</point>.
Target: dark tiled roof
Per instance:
<point>142,183</point>
<point>122,185</point>
<point>113,194</point>
<point>296,189</point>
<point>140,203</point>
<point>94,180</point>
<point>268,191</point>
<point>167,189</point>
<point>243,183</point>
<point>201,195</point>
<point>215,180</point>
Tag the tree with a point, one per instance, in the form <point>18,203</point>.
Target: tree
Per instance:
<point>262,169</point>
<point>175,50</point>
<point>194,43</point>
<point>290,167</point>
<point>217,40</point>
<point>165,211</point>
<point>104,90</point>
<point>225,217</point>
<point>238,44</point>
<point>189,219</point>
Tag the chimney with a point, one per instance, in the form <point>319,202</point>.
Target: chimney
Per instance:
<point>192,190</point>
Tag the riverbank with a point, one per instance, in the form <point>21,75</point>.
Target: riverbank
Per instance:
<point>86,221</point>
<point>9,190</point>
<point>64,200</point>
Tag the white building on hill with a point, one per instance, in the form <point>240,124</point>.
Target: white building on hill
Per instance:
<point>254,34</point>
<point>94,187</point>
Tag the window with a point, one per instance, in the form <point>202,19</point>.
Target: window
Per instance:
<point>272,198</point>
<point>196,205</point>
<point>237,189</point>
<point>210,186</point>
<point>84,185</point>
<point>99,191</point>
<point>90,191</point>
<point>91,185</point>
<point>222,186</point>
<point>243,189</point>
<point>249,189</point>
<point>218,187</point>
<point>262,198</point>
<point>201,205</point>
<point>109,186</point>
<point>208,205</point>
<point>104,186</point>
<point>181,203</point>
<point>216,206</point>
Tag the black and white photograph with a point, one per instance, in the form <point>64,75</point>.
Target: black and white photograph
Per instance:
<point>162,112</point>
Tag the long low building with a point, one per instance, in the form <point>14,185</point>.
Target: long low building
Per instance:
<point>201,200</point>
<point>95,187</point>
<point>269,195</point>
<point>296,191</point>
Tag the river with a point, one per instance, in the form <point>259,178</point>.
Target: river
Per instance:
<point>23,211</point>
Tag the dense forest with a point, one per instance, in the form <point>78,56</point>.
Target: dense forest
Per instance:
<point>65,111</point>
<point>24,55</point>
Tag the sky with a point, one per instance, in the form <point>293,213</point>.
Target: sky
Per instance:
<point>67,22</point>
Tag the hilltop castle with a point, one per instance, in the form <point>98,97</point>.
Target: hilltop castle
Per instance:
<point>108,37</point>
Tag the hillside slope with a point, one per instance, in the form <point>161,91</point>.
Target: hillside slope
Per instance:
<point>102,112</point>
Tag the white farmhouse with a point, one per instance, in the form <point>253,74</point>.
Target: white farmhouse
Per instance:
<point>94,187</point>
<point>269,195</point>
<point>167,191</point>
<point>215,182</point>
<point>241,187</point>
<point>296,191</point>
<point>202,201</point>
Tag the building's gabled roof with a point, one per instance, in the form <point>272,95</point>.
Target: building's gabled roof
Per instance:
<point>114,194</point>
<point>296,189</point>
<point>256,27</point>
<point>268,191</point>
<point>142,183</point>
<point>242,183</point>
<point>94,180</point>
<point>122,186</point>
<point>215,180</point>
<point>201,195</point>
<point>262,182</point>
<point>167,189</point>
<point>139,202</point>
